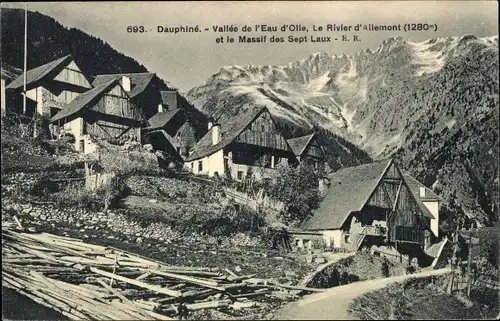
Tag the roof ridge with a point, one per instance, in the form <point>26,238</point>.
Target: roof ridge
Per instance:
<point>126,73</point>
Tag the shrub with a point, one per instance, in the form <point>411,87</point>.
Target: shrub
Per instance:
<point>298,189</point>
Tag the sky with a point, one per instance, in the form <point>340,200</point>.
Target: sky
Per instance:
<point>187,59</point>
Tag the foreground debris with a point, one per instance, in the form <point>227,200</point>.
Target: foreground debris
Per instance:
<point>86,281</point>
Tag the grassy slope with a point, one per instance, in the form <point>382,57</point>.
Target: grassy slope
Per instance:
<point>422,299</point>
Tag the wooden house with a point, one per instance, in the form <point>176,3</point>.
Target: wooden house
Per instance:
<point>374,205</point>
<point>237,146</point>
<point>307,150</point>
<point>176,128</point>
<point>49,87</point>
<point>144,89</point>
<point>104,112</point>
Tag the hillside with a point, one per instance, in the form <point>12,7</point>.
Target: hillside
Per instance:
<point>49,40</point>
<point>434,105</point>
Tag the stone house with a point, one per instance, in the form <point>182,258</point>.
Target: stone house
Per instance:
<point>177,126</point>
<point>307,150</point>
<point>143,88</point>
<point>374,205</point>
<point>237,146</point>
<point>49,87</point>
<point>104,112</point>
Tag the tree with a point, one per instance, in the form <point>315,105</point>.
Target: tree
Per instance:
<point>298,189</point>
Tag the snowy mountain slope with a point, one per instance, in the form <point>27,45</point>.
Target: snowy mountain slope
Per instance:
<point>408,99</point>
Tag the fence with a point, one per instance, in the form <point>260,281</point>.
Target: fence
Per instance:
<point>94,181</point>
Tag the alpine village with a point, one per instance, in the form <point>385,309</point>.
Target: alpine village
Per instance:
<point>122,199</point>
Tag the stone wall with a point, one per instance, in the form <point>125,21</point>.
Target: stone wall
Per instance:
<point>112,225</point>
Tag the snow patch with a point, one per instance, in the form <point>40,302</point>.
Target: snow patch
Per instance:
<point>318,83</point>
<point>429,61</point>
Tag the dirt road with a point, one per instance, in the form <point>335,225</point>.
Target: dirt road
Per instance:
<point>333,304</point>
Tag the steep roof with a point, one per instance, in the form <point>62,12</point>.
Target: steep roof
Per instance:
<point>83,100</point>
<point>39,73</point>
<point>350,188</point>
<point>161,119</point>
<point>415,185</point>
<point>299,144</point>
<point>230,127</point>
<point>139,81</point>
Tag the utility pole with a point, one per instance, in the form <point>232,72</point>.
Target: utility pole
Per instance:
<point>453,261</point>
<point>469,263</point>
<point>25,54</point>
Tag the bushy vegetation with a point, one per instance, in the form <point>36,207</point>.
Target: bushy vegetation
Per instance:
<point>298,189</point>
<point>193,218</point>
<point>417,299</point>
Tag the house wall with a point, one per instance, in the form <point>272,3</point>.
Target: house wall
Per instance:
<point>83,142</point>
<point>433,207</point>
<point>114,117</point>
<point>60,91</point>
<point>47,97</point>
<point>328,238</point>
<point>210,164</point>
<point>263,132</point>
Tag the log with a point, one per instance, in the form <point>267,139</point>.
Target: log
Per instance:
<point>205,283</point>
<point>274,284</point>
<point>19,225</point>
<point>134,303</point>
<point>137,283</point>
<point>208,305</point>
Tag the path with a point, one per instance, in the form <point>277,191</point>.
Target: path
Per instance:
<point>331,259</point>
<point>333,304</point>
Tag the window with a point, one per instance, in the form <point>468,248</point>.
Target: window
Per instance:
<point>240,175</point>
<point>216,174</point>
<point>346,239</point>
<point>200,166</point>
<point>263,128</point>
<point>82,146</point>
<point>192,166</point>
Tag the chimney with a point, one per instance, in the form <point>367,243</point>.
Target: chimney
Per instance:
<point>215,134</point>
<point>422,191</point>
<point>125,82</point>
<point>170,99</point>
<point>210,125</point>
<point>160,108</point>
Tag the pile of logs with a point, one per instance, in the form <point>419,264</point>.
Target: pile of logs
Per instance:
<point>87,281</point>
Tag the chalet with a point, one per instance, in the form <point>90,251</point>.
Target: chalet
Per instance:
<point>237,146</point>
<point>373,205</point>
<point>176,127</point>
<point>142,88</point>
<point>104,112</point>
<point>49,87</point>
<point>308,151</point>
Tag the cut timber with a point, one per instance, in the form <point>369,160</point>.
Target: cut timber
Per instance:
<point>136,283</point>
<point>125,300</point>
<point>291,287</point>
<point>209,284</point>
<point>208,305</point>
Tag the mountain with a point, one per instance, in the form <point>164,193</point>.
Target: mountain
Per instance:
<point>49,40</point>
<point>433,105</point>
<point>10,73</point>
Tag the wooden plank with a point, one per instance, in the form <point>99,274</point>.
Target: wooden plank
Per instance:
<point>209,284</point>
<point>137,283</point>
